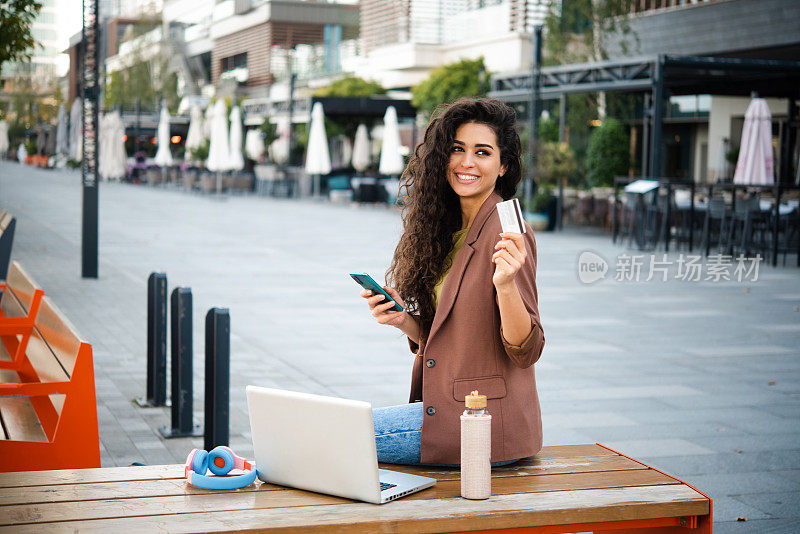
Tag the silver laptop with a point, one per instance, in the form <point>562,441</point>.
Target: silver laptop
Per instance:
<point>322,444</point>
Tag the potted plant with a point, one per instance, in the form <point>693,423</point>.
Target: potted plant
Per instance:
<point>556,163</point>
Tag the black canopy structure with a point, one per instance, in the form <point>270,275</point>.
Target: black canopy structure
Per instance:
<point>660,77</point>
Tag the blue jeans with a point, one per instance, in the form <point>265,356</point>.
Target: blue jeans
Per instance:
<point>398,435</point>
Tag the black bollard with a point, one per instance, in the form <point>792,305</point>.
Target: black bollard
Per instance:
<point>181,354</point>
<point>218,379</point>
<point>156,342</point>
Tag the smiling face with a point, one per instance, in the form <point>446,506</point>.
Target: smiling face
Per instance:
<point>474,163</point>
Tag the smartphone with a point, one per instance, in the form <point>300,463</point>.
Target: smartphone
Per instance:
<point>366,281</point>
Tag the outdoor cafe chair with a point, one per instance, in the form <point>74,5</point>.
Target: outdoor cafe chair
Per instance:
<point>747,226</point>
<point>655,223</point>
<point>788,232</point>
<point>715,224</point>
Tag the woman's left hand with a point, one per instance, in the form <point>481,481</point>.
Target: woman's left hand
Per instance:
<point>508,258</point>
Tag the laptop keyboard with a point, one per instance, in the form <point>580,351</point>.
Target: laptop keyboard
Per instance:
<point>386,485</point>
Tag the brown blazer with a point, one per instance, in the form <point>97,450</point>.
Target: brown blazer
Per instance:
<point>465,351</point>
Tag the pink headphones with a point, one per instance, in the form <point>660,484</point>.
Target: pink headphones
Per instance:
<point>220,461</point>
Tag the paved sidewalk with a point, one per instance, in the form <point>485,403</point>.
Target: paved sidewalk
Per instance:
<point>701,379</point>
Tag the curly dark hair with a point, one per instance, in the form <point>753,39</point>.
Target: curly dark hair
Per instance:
<point>431,209</point>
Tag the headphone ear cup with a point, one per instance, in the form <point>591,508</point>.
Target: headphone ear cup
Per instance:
<point>200,462</point>
<point>223,453</point>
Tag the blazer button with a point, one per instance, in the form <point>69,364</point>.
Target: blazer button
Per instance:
<point>430,362</point>
<point>430,410</point>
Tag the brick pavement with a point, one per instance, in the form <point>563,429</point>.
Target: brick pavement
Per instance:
<point>699,378</point>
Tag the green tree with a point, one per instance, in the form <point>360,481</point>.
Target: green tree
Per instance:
<point>448,83</point>
<point>579,31</point>
<point>16,19</point>
<point>548,130</point>
<point>351,86</point>
<point>607,155</point>
<point>556,162</point>
<point>270,131</point>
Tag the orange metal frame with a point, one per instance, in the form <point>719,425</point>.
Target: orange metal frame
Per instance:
<point>659,525</point>
<point>73,438</point>
<point>11,327</point>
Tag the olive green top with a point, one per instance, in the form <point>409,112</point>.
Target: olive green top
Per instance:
<point>458,240</point>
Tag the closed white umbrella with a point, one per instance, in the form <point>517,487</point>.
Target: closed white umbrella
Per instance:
<point>361,150</point>
<point>163,155</point>
<point>113,158</point>
<point>318,159</point>
<point>236,162</point>
<point>4,145</point>
<point>195,135</point>
<point>22,153</point>
<point>253,144</point>
<point>207,121</point>
<point>62,143</point>
<point>755,165</point>
<point>218,148</point>
<point>279,148</point>
<point>391,159</point>
<point>75,130</point>
<point>103,147</point>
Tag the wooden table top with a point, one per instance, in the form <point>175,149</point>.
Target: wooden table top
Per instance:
<point>564,484</point>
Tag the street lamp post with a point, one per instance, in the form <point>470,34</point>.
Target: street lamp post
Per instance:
<point>91,92</point>
<point>534,110</point>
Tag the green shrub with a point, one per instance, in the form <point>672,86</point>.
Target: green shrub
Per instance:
<point>200,154</point>
<point>543,196</point>
<point>608,154</point>
<point>352,87</point>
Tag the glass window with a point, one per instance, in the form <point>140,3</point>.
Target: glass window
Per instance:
<point>234,62</point>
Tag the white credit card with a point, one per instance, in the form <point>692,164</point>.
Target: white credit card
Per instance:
<point>511,216</point>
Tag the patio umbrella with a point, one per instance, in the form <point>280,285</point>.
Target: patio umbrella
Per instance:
<point>755,165</point>
<point>207,121</point>
<point>4,146</point>
<point>279,148</point>
<point>113,158</point>
<point>391,159</point>
<point>361,152</point>
<point>163,155</point>
<point>62,143</point>
<point>253,144</point>
<point>318,159</point>
<point>218,147</point>
<point>195,135</point>
<point>75,130</point>
<point>102,144</point>
<point>236,161</point>
<point>218,152</point>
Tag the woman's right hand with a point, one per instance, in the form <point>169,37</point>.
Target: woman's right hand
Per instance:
<point>382,309</point>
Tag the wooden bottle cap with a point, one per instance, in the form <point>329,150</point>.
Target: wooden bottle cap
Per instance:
<point>474,400</point>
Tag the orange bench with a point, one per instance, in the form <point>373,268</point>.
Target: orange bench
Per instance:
<point>48,411</point>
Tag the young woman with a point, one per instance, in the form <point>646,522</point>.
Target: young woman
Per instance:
<point>468,292</point>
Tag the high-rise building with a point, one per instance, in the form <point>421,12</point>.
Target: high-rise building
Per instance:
<point>402,40</point>
<point>386,22</point>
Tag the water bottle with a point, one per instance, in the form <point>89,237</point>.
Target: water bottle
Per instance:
<point>476,448</point>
